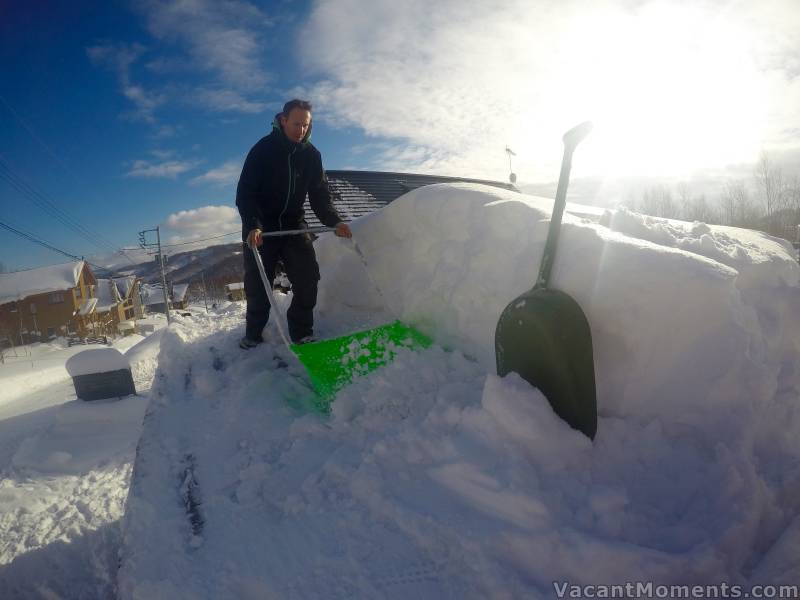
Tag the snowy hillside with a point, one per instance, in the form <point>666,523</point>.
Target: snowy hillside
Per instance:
<point>433,478</point>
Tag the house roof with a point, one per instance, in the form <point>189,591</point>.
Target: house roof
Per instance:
<point>357,193</point>
<point>179,292</point>
<point>87,307</point>
<point>55,278</point>
<point>125,285</point>
<point>235,286</point>
<point>107,295</point>
<point>152,294</point>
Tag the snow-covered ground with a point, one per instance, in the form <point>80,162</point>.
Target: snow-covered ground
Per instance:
<point>64,473</point>
<point>432,477</point>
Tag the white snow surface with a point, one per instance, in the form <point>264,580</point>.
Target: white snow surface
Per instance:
<point>65,468</point>
<point>433,477</point>
<point>95,360</point>
<point>21,284</point>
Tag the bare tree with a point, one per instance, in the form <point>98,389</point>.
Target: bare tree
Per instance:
<point>769,179</point>
<point>737,207</point>
<point>657,202</point>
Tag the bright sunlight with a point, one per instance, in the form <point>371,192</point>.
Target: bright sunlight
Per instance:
<point>670,89</point>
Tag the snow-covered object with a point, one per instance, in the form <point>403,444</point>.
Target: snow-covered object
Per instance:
<point>124,285</point>
<point>55,278</point>
<point>87,307</point>
<point>678,332</point>
<point>96,360</point>
<point>179,292</point>
<point>107,295</point>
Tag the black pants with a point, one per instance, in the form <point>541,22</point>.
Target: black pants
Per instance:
<point>300,261</point>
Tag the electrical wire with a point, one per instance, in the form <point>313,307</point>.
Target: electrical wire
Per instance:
<point>216,237</point>
<point>40,200</point>
<point>53,209</point>
<point>32,238</point>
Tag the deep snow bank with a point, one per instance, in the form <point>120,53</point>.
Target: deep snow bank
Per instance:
<point>688,321</point>
<point>434,478</point>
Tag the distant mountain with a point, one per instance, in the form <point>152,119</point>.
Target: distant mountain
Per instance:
<point>216,262</point>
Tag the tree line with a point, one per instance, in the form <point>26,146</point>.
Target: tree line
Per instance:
<point>769,202</point>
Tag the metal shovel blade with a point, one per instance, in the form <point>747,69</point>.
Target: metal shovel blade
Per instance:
<point>544,336</point>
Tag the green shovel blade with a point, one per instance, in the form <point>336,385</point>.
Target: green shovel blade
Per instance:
<point>334,363</point>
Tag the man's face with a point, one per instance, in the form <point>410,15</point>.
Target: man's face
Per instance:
<point>296,125</point>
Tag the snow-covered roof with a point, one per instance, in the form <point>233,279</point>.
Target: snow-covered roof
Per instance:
<point>125,285</point>
<point>107,295</point>
<point>87,307</point>
<point>179,292</point>
<point>54,278</point>
<point>152,294</point>
<point>235,286</point>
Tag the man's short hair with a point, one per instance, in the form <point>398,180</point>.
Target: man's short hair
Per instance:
<point>296,103</point>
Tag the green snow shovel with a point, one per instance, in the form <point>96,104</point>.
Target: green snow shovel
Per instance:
<point>544,335</point>
<point>333,363</point>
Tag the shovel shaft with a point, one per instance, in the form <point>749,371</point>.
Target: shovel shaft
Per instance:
<point>277,313</point>
<point>571,139</point>
<point>296,231</point>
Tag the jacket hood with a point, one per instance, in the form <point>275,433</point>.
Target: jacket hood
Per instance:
<point>276,126</point>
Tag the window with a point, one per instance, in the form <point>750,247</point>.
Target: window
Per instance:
<point>56,298</point>
<point>33,308</point>
<point>78,292</point>
<point>51,332</point>
<point>129,314</point>
<point>13,306</point>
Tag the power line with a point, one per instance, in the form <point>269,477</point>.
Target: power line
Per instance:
<point>32,133</point>
<point>39,199</point>
<point>47,148</point>
<point>32,238</point>
<point>216,237</point>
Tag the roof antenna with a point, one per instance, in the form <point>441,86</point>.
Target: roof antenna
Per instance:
<point>512,177</point>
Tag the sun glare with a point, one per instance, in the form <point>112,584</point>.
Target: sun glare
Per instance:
<point>671,90</point>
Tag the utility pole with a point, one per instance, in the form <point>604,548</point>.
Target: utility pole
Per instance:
<point>143,243</point>
<point>203,279</point>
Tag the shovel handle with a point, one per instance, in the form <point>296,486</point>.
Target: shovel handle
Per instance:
<point>572,138</point>
<point>296,231</point>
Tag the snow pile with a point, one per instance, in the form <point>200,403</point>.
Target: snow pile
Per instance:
<point>674,335</point>
<point>433,477</point>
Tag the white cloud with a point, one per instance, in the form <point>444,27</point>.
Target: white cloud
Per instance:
<point>225,174</point>
<point>225,101</point>
<point>119,59</point>
<point>204,226</point>
<point>223,38</point>
<point>162,154</point>
<point>672,87</point>
<point>169,169</point>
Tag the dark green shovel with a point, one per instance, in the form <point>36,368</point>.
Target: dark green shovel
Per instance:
<point>543,334</point>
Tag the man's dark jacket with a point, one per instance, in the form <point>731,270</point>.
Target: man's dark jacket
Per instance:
<point>276,176</point>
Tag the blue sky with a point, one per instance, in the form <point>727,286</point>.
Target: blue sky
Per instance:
<point>126,115</point>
